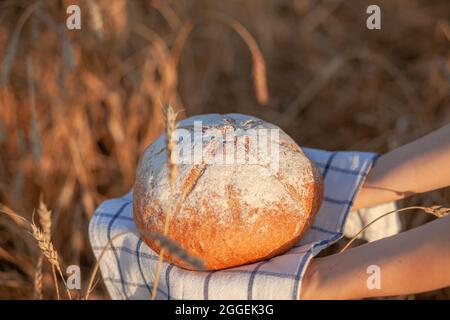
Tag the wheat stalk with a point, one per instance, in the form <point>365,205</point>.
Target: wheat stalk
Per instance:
<point>170,117</point>
<point>258,62</point>
<point>55,281</point>
<point>437,210</point>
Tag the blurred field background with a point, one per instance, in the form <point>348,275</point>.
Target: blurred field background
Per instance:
<point>77,108</point>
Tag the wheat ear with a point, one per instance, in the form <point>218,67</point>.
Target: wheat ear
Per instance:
<point>45,219</point>
<point>437,210</point>
<point>50,253</point>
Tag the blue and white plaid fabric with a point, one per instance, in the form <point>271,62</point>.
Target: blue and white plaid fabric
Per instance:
<point>128,266</point>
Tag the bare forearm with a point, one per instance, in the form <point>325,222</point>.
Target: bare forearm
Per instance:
<point>420,166</point>
<point>417,260</point>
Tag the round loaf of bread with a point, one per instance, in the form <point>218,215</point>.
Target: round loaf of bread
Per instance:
<point>236,199</point>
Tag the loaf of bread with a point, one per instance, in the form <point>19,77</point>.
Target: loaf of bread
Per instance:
<point>226,209</point>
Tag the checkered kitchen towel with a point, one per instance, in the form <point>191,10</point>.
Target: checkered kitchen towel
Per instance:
<point>129,265</point>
